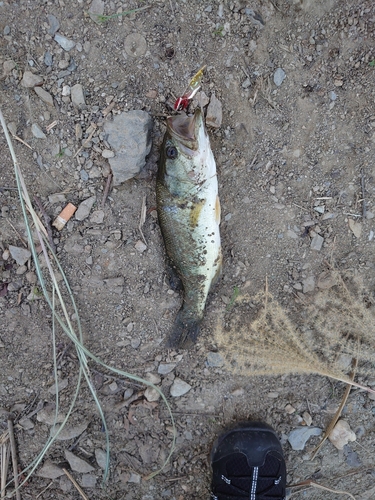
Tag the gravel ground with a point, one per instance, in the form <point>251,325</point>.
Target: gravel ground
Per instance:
<point>294,155</point>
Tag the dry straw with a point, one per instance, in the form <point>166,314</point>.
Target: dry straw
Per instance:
<point>322,339</point>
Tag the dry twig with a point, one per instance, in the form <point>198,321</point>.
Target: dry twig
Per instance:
<point>106,189</point>
<point>14,458</point>
<point>76,485</point>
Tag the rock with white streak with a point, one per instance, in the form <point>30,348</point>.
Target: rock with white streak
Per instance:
<point>341,434</point>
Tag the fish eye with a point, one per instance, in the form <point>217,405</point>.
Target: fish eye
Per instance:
<point>171,153</point>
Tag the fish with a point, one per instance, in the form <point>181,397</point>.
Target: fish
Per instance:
<point>188,209</point>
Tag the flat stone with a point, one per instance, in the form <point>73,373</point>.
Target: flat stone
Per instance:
<point>107,153</point>
<point>96,10</point>
<point>140,246</point>
<point>279,77</point>
<point>165,368</point>
<point>77,96</point>
<point>64,42</point>
<point>61,385</point>
<point>134,478</point>
<point>291,234</point>
<point>129,135</point>
<point>299,437</point>
<point>317,243</point>
<point>215,359</point>
<point>44,95</point>
<point>214,113</point>
<point>77,463</point>
<point>179,388</point>
<point>68,432</point>
<point>48,415</point>
<point>355,227</point>
<point>37,131</point>
<point>101,458</point>
<point>152,394</point>
<point>8,67</point>
<point>48,58</point>
<point>308,284</point>
<point>56,198</point>
<point>341,434</point>
<point>54,24</point>
<point>50,471</point>
<point>19,254</point>
<point>84,208</point>
<point>88,481</point>
<point>29,80</point>
<point>97,217</point>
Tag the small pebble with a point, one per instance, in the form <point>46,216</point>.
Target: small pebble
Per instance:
<point>341,434</point>
<point>317,242</point>
<point>44,95</point>
<point>107,153</point>
<point>152,394</point>
<point>54,24</point>
<point>97,217</point>
<point>37,131</point>
<point>64,42</point>
<point>140,246</point>
<point>101,458</point>
<point>30,80</point>
<point>214,113</point>
<point>19,254</point>
<point>77,96</point>
<point>299,437</point>
<point>279,77</point>
<point>214,359</point>
<point>77,464</point>
<point>179,388</point>
<point>165,368</point>
<point>88,481</point>
<point>84,208</point>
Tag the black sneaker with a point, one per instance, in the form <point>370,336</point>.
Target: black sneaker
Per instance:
<point>247,462</point>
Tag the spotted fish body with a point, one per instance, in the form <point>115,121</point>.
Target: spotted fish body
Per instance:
<point>189,216</point>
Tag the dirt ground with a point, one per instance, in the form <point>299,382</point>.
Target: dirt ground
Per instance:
<point>297,187</point>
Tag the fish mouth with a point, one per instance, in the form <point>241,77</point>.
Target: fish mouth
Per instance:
<point>185,129</point>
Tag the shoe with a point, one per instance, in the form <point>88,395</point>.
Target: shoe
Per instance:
<point>248,462</point>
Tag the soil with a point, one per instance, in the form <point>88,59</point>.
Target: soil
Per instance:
<point>295,162</point>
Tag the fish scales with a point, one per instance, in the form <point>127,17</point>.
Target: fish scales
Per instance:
<point>189,216</point>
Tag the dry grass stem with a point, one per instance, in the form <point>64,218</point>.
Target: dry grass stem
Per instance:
<point>142,219</point>
<point>14,458</point>
<point>310,483</point>
<point>4,462</point>
<point>321,339</point>
<point>337,414</point>
<point>76,485</point>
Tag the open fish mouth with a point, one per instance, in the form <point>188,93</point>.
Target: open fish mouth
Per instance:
<point>185,129</point>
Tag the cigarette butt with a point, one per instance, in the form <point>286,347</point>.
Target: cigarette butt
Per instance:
<point>64,216</point>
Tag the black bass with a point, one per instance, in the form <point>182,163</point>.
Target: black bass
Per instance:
<point>189,216</point>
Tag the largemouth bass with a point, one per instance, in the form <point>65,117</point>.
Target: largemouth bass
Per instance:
<point>189,216</point>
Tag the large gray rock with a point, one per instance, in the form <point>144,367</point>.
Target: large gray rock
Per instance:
<point>129,135</point>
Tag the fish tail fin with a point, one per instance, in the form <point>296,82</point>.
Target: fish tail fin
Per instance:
<point>185,331</point>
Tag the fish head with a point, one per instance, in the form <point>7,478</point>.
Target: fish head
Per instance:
<point>186,147</point>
